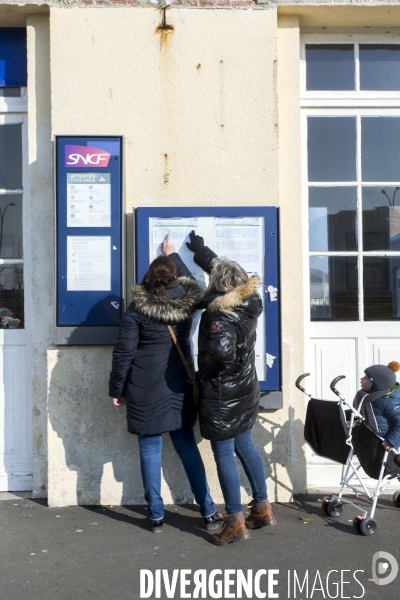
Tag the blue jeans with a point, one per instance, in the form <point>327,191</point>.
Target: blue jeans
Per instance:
<point>228,473</point>
<point>150,447</point>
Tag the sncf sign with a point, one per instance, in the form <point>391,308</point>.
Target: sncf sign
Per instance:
<point>85,156</point>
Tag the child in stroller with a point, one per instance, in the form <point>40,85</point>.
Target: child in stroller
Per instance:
<point>379,402</point>
<point>368,431</point>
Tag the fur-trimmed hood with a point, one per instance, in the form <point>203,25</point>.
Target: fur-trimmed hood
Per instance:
<point>168,310</point>
<point>227,302</point>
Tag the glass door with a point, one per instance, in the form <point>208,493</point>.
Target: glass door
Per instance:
<point>15,414</point>
<point>351,177</point>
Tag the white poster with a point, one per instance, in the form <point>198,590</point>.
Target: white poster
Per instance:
<point>88,263</point>
<point>238,238</point>
<point>88,199</point>
<point>241,239</point>
<point>178,228</point>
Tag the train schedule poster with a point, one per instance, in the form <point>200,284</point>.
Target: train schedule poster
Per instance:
<point>245,234</point>
<point>238,238</point>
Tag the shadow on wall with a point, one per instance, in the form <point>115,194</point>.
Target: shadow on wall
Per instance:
<point>279,437</point>
<point>94,460</point>
<point>95,442</point>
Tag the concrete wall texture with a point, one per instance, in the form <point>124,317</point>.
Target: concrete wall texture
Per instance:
<point>199,111</point>
<point>211,116</point>
<point>41,211</point>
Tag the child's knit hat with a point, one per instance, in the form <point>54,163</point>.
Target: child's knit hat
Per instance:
<point>382,377</point>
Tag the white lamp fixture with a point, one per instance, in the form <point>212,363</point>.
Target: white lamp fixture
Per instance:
<point>162,3</point>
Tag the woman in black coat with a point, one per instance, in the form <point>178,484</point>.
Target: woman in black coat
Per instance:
<point>150,377</point>
<point>229,388</point>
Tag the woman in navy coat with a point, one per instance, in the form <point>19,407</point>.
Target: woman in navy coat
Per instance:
<point>149,376</point>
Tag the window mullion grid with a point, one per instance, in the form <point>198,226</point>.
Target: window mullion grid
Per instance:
<point>332,183</point>
<point>359,222</point>
<point>333,253</point>
<point>11,261</point>
<point>343,105</point>
<point>383,253</point>
<point>357,65</point>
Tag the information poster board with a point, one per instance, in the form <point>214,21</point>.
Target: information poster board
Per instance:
<point>90,242</point>
<point>248,236</point>
<point>238,238</point>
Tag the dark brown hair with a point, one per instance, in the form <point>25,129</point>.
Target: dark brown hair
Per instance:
<point>162,272</point>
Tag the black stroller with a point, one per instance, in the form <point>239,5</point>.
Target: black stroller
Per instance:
<point>336,430</point>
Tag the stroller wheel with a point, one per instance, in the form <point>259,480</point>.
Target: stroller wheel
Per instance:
<point>334,509</point>
<point>396,499</point>
<point>356,524</point>
<point>368,526</point>
<point>325,503</point>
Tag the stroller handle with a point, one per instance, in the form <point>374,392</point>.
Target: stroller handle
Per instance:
<point>334,382</point>
<point>298,381</point>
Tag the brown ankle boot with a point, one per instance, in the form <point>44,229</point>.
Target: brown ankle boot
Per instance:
<point>233,530</point>
<point>261,515</point>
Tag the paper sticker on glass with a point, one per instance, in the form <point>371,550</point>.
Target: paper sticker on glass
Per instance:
<point>237,238</point>
<point>88,263</point>
<point>241,239</point>
<point>88,199</point>
<point>178,228</point>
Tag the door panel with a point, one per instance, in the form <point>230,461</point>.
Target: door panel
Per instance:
<point>352,195</point>
<point>15,437</point>
<point>383,351</point>
<point>335,357</point>
<point>15,383</point>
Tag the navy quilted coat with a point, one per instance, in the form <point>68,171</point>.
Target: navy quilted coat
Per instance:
<point>147,368</point>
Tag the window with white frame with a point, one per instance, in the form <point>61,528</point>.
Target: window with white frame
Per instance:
<point>351,119</point>
<point>13,131</point>
<point>11,248</point>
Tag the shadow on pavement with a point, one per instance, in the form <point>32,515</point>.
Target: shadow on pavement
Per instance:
<point>137,516</point>
<point>311,505</point>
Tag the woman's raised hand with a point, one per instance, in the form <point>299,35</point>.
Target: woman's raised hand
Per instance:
<point>196,242</point>
<point>167,246</point>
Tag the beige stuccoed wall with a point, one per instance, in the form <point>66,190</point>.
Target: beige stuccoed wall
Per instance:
<point>291,250</point>
<point>199,111</point>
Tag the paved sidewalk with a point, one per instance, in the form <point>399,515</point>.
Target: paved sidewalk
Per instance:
<point>81,553</point>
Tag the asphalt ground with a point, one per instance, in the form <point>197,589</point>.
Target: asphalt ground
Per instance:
<point>81,553</point>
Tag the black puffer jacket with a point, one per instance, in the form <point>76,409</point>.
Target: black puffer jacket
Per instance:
<point>229,388</point>
<point>147,368</point>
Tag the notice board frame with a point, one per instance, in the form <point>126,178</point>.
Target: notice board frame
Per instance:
<point>271,394</point>
<point>72,329</point>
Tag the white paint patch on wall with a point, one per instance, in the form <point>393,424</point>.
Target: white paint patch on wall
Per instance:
<point>273,293</point>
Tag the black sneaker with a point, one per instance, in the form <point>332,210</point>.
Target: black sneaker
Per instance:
<point>156,526</point>
<point>214,522</point>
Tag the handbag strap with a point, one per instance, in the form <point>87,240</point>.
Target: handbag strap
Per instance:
<point>185,362</point>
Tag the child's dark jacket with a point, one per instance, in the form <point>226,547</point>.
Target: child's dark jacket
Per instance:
<point>387,414</point>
